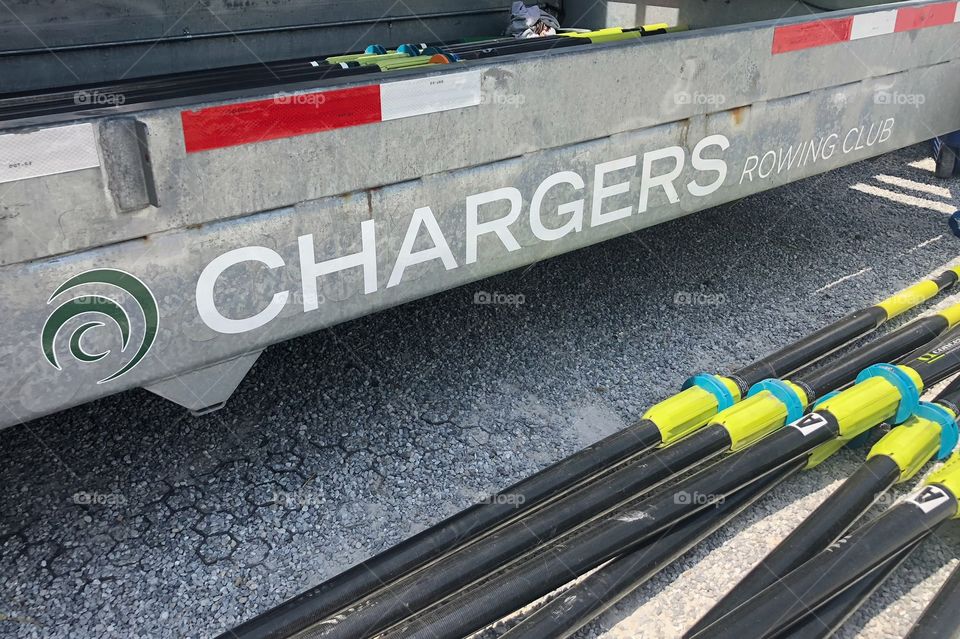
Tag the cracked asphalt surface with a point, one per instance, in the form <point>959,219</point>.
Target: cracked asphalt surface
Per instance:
<point>129,518</point>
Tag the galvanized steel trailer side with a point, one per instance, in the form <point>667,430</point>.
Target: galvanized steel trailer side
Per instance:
<point>567,149</point>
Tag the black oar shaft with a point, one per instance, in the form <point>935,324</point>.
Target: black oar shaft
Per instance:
<point>835,569</point>
<point>825,620</point>
<point>523,47</point>
<point>883,349</point>
<point>489,553</point>
<point>368,576</point>
<point>597,542</point>
<point>824,341</point>
<point>458,570</point>
<point>791,358</point>
<point>574,608</point>
<point>824,526</point>
<point>936,364</point>
<point>132,85</point>
<point>941,619</point>
<point>532,493</point>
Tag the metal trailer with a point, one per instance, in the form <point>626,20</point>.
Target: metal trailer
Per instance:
<point>165,245</point>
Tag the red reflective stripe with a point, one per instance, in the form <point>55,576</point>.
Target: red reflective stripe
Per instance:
<point>811,34</point>
<point>933,15</point>
<point>280,117</point>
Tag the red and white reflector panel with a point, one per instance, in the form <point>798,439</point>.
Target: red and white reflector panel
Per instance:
<point>291,115</point>
<point>819,33</point>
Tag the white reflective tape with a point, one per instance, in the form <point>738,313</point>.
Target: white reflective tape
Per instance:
<point>429,95</point>
<point>956,17</point>
<point>867,25</point>
<point>47,152</point>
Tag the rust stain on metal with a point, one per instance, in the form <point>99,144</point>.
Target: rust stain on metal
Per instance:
<point>739,113</point>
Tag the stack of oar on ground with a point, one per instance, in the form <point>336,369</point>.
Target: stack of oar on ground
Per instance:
<point>595,514</point>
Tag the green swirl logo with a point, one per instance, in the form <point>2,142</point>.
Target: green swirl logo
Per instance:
<point>105,307</point>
